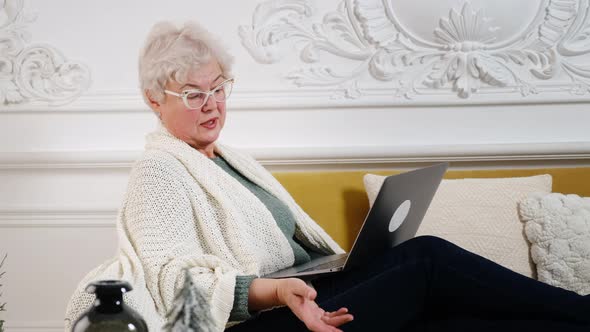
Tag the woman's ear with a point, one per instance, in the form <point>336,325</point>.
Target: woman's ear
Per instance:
<point>155,105</point>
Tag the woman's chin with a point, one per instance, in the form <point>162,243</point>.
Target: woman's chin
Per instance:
<point>208,140</point>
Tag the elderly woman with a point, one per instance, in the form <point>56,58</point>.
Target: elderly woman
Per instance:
<point>195,204</point>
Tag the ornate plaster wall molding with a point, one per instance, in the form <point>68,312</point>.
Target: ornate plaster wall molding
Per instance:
<point>34,72</point>
<point>465,56</point>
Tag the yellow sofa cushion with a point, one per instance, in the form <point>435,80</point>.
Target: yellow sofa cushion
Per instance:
<point>337,199</point>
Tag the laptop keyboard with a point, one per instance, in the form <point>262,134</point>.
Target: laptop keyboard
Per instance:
<point>328,265</point>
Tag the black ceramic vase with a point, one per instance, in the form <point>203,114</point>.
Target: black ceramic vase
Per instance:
<point>109,312</point>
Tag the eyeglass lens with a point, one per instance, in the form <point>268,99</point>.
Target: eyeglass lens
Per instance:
<point>197,99</point>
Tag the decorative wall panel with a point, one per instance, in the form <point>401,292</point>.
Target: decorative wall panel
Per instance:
<point>34,72</point>
<point>466,54</point>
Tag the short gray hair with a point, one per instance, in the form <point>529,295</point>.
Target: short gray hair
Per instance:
<point>171,52</point>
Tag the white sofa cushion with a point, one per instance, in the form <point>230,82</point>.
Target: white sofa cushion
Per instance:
<point>480,215</point>
<point>558,227</point>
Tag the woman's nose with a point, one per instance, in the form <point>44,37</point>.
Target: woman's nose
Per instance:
<point>210,104</point>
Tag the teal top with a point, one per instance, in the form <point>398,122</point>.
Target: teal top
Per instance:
<point>286,222</point>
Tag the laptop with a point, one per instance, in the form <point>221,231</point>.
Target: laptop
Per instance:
<point>394,218</point>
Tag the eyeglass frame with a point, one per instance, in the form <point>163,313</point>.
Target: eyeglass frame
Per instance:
<point>183,95</point>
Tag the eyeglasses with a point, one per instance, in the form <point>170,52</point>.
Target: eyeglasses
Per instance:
<point>195,99</point>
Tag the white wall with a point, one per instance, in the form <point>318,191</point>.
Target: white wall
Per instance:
<point>65,155</point>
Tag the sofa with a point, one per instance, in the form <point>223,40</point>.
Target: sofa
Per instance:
<point>535,221</point>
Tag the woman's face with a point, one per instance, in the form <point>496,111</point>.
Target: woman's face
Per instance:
<point>199,128</point>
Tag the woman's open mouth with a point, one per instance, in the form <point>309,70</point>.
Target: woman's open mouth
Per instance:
<point>210,124</point>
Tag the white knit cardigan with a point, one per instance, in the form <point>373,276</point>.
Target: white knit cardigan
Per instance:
<point>181,211</point>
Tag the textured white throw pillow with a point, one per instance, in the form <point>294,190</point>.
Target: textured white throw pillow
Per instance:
<point>480,215</point>
<point>558,227</point>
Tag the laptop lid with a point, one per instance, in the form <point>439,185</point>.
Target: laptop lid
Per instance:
<point>394,218</point>
<point>396,213</point>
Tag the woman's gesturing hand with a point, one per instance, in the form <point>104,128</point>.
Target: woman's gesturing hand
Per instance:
<point>300,298</point>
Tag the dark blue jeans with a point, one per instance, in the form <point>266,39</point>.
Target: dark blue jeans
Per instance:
<point>429,284</point>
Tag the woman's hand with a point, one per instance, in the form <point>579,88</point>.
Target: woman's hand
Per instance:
<point>300,298</point>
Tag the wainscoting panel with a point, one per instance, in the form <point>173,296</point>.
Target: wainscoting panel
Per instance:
<point>331,84</point>
<point>43,266</point>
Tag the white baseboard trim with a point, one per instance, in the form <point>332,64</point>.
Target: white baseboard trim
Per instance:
<point>312,156</point>
<point>431,153</point>
<point>48,326</point>
<point>67,159</point>
<point>64,218</point>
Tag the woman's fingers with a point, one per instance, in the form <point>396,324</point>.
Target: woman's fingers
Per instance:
<point>338,320</point>
<point>337,312</point>
<point>301,301</point>
<point>318,320</point>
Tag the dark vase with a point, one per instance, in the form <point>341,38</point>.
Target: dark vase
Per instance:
<point>109,312</point>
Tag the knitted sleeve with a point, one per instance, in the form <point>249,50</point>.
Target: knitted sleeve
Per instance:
<point>240,311</point>
<point>160,224</point>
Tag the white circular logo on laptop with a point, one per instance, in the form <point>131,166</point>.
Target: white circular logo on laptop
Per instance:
<point>399,215</point>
